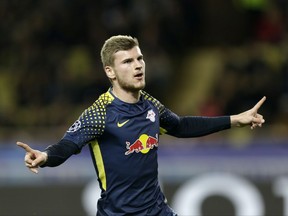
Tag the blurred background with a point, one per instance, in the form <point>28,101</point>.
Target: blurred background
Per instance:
<point>202,58</point>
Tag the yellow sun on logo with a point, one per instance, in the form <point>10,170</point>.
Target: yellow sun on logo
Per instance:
<point>143,138</point>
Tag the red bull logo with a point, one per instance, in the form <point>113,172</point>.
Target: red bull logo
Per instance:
<point>143,144</point>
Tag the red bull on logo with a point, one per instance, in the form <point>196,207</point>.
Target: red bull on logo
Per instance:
<point>143,144</point>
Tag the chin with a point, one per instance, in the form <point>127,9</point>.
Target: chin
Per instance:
<point>134,88</point>
<point>142,87</point>
<point>137,88</point>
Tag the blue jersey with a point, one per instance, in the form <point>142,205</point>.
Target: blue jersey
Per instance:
<point>124,139</point>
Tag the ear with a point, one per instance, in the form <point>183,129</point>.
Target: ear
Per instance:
<point>109,72</point>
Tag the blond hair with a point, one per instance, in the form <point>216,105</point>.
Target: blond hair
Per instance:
<point>115,44</point>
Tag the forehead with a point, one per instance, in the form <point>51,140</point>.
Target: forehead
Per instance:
<point>124,54</point>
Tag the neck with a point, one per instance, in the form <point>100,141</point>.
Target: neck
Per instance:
<point>126,96</point>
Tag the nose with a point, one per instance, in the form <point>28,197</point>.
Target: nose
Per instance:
<point>139,65</point>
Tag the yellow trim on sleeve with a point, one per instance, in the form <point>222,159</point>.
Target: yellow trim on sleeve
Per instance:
<point>99,163</point>
<point>162,131</point>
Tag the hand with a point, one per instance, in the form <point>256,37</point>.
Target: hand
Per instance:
<point>250,117</point>
<point>33,158</point>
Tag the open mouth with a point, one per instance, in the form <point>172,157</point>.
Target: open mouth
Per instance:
<point>139,75</point>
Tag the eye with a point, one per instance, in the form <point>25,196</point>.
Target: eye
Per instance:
<point>127,61</point>
<point>140,58</point>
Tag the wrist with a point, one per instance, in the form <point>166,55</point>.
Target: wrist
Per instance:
<point>234,121</point>
<point>45,155</point>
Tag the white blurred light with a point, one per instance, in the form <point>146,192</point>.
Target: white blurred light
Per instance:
<point>90,196</point>
<point>244,196</point>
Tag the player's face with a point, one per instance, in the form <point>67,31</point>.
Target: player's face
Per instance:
<point>129,70</point>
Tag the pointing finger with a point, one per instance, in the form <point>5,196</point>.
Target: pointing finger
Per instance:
<point>24,146</point>
<point>259,104</point>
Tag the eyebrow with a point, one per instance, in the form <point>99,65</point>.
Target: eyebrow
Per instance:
<point>127,59</point>
<point>130,59</point>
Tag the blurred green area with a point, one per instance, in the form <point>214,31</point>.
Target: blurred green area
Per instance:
<point>203,58</point>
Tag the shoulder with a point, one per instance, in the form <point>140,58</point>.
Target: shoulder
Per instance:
<point>154,101</point>
<point>103,101</point>
<point>96,113</point>
<point>99,106</point>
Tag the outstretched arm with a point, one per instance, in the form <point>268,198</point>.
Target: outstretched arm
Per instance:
<point>54,155</point>
<point>250,117</point>
<point>195,126</point>
<point>33,158</point>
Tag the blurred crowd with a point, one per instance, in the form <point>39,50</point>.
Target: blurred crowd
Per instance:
<point>50,67</point>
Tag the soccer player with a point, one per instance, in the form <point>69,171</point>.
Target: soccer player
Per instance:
<point>122,129</point>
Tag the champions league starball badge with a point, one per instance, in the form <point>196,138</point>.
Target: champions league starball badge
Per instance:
<point>74,127</point>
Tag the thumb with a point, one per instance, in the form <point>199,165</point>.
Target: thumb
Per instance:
<point>39,160</point>
<point>258,120</point>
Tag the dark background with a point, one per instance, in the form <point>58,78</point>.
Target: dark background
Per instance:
<point>203,57</point>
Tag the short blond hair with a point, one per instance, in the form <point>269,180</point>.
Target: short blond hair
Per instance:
<point>115,44</point>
